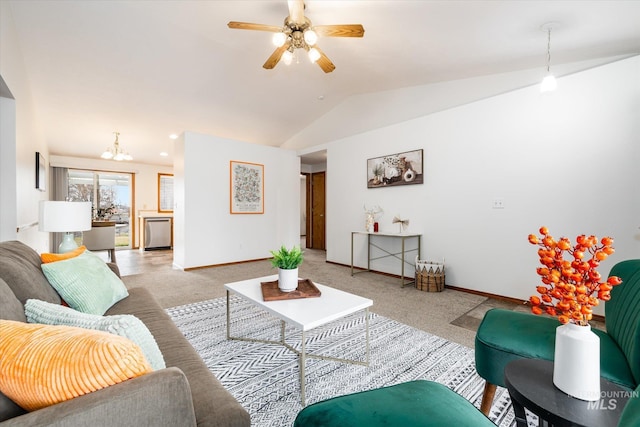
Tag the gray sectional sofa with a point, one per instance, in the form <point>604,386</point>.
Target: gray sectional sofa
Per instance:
<point>183,394</point>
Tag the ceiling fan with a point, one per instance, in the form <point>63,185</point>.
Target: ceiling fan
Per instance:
<point>299,33</point>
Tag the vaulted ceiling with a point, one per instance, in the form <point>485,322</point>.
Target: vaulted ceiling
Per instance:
<point>148,69</point>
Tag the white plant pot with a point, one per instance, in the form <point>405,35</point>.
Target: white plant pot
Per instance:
<point>576,369</point>
<point>287,279</point>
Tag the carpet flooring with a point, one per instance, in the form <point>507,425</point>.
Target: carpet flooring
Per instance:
<point>264,378</point>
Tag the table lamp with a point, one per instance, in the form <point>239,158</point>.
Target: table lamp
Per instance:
<point>65,217</point>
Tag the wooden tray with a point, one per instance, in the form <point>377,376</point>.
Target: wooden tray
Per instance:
<point>306,289</point>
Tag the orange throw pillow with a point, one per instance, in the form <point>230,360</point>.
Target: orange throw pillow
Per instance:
<point>47,258</point>
<point>42,365</point>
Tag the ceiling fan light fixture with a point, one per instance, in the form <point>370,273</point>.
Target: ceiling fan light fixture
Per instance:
<point>314,55</point>
<point>299,33</point>
<point>279,39</point>
<point>310,37</point>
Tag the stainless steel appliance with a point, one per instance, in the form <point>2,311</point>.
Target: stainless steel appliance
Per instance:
<point>157,233</point>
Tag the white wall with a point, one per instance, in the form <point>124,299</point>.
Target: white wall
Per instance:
<point>202,216</point>
<point>145,181</point>
<point>8,195</point>
<point>28,140</point>
<point>568,160</point>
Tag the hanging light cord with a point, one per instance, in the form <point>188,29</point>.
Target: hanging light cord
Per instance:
<point>548,50</point>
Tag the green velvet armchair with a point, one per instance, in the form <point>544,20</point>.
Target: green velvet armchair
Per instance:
<point>506,335</point>
<point>414,403</point>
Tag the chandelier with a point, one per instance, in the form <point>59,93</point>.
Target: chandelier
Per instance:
<point>115,152</point>
<point>298,36</point>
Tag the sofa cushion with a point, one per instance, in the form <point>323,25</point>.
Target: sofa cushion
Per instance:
<point>69,362</point>
<point>125,325</point>
<point>86,283</point>
<point>47,257</point>
<point>10,307</point>
<point>20,268</point>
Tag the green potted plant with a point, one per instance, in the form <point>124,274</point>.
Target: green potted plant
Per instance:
<point>287,262</point>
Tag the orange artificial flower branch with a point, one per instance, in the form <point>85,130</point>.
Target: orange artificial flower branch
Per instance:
<point>568,286</point>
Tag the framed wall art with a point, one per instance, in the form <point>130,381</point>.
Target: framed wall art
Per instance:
<point>395,169</point>
<point>247,188</point>
<point>41,172</point>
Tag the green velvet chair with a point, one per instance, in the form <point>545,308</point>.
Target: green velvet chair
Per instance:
<point>417,403</point>
<point>410,404</point>
<point>631,414</point>
<point>506,335</point>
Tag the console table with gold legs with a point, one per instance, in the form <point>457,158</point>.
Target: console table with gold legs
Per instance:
<point>387,253</point>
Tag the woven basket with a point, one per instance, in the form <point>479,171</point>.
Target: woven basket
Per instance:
<point>429,276</point>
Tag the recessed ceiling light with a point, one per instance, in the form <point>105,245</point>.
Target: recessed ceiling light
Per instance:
<point>164,154</point>
<point>321,98</point>
<point>173,136</point>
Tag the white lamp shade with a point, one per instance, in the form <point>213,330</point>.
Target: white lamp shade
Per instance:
<point>310,37</point>
<point>287,57</point>
<point>314,55</point>
<point>279,39</point>
<point>57,216</point>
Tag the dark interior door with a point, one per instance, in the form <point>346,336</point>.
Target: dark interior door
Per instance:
<point>316,203</point>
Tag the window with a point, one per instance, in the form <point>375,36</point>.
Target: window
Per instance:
<point>165,192</point>
<point>110,196</point>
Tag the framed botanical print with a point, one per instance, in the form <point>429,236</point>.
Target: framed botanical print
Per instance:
<point>246,188</point>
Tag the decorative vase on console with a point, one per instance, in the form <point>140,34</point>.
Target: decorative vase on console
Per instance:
<point>570,289</point>
<point>368,223</point>
<point>370,217</point>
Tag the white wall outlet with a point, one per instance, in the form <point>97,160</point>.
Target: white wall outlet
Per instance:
<point>498,203</point>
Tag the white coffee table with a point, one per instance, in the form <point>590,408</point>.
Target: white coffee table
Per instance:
<point>304,314</point>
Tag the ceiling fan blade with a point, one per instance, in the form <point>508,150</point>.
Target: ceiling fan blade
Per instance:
<point>324,62</point>
<point>275,56</point>
<point>346,30</point>
<point>249,26</point>
<point>296,11</point>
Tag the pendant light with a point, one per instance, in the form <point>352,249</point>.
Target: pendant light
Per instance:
<point>549,83</point>
<point>115,152</point>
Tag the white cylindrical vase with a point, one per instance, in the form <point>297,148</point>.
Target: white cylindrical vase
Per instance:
<point>576,369</point>
<point>287,279</point>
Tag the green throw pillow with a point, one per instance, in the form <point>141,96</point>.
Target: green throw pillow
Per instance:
<point>125,325</point>
<point>86,283</point>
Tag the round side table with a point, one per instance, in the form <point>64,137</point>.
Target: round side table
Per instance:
<point>530,385</point>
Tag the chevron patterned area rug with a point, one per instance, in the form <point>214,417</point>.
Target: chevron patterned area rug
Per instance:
<point>264,378</point>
